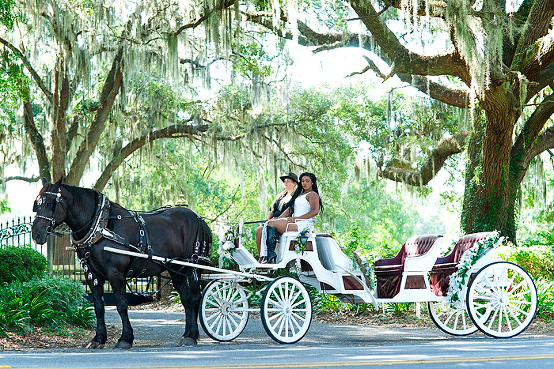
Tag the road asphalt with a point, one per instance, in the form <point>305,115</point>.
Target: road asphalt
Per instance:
<point>157,329</point>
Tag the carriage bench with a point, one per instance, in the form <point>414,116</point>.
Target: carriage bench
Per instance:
<point>447,265</point>
<point>389,272</point>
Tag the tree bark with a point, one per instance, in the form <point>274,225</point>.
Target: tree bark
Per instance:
<point>489,199</point>
<point>58,142</point>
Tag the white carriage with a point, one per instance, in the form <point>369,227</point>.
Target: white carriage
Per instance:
<point>499,298</point>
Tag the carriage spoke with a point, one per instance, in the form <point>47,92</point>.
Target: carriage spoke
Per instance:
<point>298,318</point>
<point>492,319</point>
<point>510,310</point>
<point>213,316</point>
<point>449,317</point>
<point>217,322</point>
<point>303,301</point>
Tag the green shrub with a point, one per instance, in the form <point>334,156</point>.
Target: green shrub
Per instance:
<point>51,300</point>
<point>538,261</point>
<point>62,294</point>
<point>545,297</point>
<point>21,264</point>
<point>22,308</point>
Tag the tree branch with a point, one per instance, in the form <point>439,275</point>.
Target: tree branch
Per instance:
<point>22,178</point>
<point>405,61</point>
<point>221,5</point>
<point>443,150</point>
<point>530,141</point>
<point>173,131</point>
<point>425,8</point>
<point>535,49</point>
<point>437,91</point>
<point>110,90</point>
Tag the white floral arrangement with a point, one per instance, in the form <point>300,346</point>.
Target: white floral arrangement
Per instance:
<point>227,245</point>
<point>468,259</point>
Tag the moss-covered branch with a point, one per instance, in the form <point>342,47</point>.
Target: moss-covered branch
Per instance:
<point>420,177</point>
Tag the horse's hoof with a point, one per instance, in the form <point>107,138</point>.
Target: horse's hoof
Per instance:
<point>187,341</point>
<point>122,345</point>
<point>93,345</point>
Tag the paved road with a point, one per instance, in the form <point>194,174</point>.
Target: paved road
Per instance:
<point>324,346</point>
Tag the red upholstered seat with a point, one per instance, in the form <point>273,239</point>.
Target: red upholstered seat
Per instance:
<point>445,266</point>
<point>389,271</point>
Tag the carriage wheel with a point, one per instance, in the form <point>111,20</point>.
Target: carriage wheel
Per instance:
<point>450,318</point>
<point>224,310</point>
<point>286,310</point>
<point>502,300</point>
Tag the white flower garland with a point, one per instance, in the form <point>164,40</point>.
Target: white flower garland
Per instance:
<point>468,259</point>
<point>227,245</point>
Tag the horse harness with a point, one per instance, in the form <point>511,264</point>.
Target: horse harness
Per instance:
<point>99,229</point>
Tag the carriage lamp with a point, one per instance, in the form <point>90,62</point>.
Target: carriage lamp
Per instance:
<point>303,238</point>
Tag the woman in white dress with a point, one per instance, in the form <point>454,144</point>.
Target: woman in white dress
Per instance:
<point>299,216</point>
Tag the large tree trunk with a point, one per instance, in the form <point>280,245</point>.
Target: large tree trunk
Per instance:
<point>490,195</point>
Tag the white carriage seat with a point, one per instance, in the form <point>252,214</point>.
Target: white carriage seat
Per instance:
<point>243,257</point>
<point>330,254</point>
<point>283,243</point>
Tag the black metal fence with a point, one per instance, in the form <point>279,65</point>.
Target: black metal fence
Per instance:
<point>16,233</point>
<point>62,259</point>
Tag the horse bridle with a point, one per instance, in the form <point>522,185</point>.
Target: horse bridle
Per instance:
<point>58,199</point>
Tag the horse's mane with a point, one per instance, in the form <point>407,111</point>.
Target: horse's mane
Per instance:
<point>79,192</point>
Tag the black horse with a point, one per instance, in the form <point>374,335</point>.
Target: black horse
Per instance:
<point>172,233</point>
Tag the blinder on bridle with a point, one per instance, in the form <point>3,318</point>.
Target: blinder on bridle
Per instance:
<point>53,207</point>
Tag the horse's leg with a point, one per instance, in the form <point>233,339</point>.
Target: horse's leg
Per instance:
<point>101,336</point>
<point>189,290</point>
<point>119,288</point>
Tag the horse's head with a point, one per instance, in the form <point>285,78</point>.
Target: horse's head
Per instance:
<point>50,209</point>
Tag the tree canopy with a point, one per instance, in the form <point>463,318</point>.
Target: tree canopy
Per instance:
<point>106,84</point>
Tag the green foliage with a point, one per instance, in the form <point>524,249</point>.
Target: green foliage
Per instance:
<point>62,294</point>
<point>545,297</point>
<point>399,308</point>
<point>9,13</point>
<point>22,308</point>
<point>327,303</point>
<point>12,81</point>
<point>253,61</point>
<point>4,208</point>
<point>52,301</point>
<point>538,261</point>
<point>21,264</point>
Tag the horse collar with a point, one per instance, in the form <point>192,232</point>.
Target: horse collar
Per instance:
<point>99,223</point>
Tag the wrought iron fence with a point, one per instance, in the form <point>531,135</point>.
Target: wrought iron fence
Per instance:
<point>18,233</point>
<point>62,259</point>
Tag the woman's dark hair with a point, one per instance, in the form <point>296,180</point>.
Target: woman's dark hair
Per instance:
<point>299,190</point>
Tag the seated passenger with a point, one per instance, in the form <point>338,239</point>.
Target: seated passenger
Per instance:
<point>282,202</point>
<point>298,217</point>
